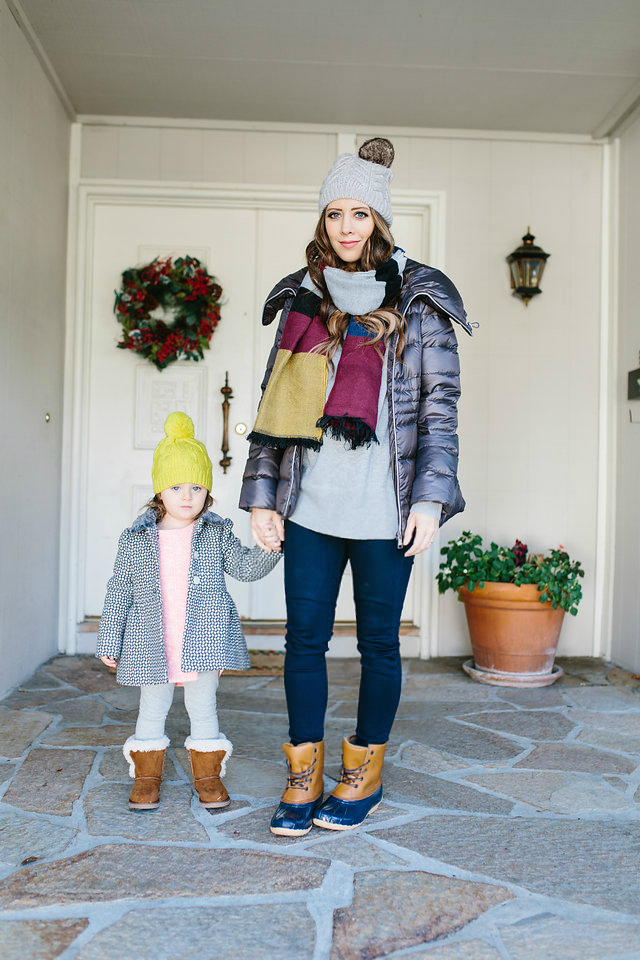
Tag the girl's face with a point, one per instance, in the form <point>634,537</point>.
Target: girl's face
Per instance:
<point>183,502</point>
<point>349,225</point>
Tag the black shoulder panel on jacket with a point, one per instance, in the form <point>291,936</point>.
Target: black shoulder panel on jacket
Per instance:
<point>283,289</point>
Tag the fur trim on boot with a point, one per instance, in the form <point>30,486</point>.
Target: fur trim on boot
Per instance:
<point>141,746</point>
<point>209,746</point>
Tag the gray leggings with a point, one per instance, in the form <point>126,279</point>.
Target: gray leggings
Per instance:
<point>199,699</point>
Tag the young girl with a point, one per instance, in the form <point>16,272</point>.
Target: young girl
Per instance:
<point>355,448</point>
<point>168,617</point>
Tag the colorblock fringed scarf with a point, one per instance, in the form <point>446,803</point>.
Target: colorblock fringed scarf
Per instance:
<point>293,408</point>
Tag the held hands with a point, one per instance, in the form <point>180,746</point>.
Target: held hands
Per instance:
<point>267,529</point>
<point>424,528</point>
<point>109,661</point>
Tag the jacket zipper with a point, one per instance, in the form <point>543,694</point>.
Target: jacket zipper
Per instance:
<point>395,447</point>
<point>293,475</point>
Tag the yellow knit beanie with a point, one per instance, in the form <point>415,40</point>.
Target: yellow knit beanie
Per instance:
<point>179,457</point>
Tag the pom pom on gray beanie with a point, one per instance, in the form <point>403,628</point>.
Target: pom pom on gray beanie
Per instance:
<point>365,177</point>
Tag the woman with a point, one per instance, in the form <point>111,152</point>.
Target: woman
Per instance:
<point>354,458</point>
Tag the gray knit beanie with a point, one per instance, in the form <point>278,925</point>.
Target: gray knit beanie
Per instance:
<point>365,177</point>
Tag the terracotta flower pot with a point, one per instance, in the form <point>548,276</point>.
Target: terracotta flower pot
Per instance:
<point>514,637</point>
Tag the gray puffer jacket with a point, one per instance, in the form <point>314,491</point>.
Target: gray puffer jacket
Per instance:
<point>423,390</point>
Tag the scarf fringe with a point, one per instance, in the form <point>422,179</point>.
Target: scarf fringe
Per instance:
<point>353,430</point>
<point>281,443</point>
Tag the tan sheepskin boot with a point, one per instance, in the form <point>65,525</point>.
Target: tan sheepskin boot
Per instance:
<point>146,762</point>
<point>208,764</point>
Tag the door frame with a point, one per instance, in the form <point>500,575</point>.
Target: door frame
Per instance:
<point>85,197</point>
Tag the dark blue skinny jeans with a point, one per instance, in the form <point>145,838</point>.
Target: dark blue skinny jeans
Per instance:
<point>313,568</point>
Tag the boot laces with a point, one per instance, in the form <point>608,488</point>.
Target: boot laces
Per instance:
<point>351,777</point>
<point>300,781</point>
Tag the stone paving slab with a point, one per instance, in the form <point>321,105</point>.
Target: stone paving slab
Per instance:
<point>38,939</point>
<point>570,940</point>
<point>461,950</point>
<point>394,911</point>
<point>84,672</point>
<point>535,724</point>
<point>108,814</point>
<point>428,760</point>
<point>436,665</point>
<point>109,735</point>
<point>50,781</point>
<point>23,699</point>
<point>252,703</point>
<point>41,679</point>
<point>122,698</point>
<point>604,699</point>
<point>538,698</point>
<point>216,933</point>
<point>22,838</point>
<point>355,851</point>
<point>18,730</point>
<point>629,724</point>
<point>407,786</point>
<point>7,770</point>
<point>566,793</point>
<point>84,710</point>
<point>461,741</point>
<point>584,861</point>
<point>611,741</point>
<point>461,688</point>
<point>573,756</point>
<point>140,872</point>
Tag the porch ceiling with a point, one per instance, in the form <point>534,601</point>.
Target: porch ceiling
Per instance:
<point>554,66</point>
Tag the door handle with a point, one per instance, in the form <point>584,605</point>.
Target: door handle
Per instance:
<point>227,393</point>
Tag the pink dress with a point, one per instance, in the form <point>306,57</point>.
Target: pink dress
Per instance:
<point>175,557</point>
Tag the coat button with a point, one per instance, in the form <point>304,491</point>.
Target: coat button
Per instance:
<point>195,553</point>
<point>196,579</point>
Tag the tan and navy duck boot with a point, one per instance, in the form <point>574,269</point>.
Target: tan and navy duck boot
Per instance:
<point>303,793</point>
<point>359,790</point>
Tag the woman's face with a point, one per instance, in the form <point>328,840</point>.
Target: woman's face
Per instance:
<point>349,225</point>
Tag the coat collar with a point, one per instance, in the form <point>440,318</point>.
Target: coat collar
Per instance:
<point>419,281</point>
<point>147,521</point>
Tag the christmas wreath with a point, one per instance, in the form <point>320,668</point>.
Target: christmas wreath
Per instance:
<point>181,288</point>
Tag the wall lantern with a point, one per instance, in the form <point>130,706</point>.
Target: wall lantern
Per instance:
<point>526,264</point>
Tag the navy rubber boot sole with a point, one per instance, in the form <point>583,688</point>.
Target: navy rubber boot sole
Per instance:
<point>338,814</point>
<point>294,819</point>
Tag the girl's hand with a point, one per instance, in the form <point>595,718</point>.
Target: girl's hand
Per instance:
<point>109,662</point>
<point>424,528</point>
<point>267,529</point>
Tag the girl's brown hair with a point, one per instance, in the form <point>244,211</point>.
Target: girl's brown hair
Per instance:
<point>160,510</point>
<point>383,322</point>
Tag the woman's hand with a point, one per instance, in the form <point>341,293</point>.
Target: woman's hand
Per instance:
<point>424,528</point>
<point>109,662</point>
<point>267,529</point>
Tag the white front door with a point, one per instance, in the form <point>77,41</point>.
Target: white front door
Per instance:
<point>248,248</point>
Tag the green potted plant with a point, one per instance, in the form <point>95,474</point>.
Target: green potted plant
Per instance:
<point>515,603</point>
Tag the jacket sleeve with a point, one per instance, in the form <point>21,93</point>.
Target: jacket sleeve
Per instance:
<point>262,472</point>
<point>437,453</point>
<point>245,563</point>
<point>117,603</point>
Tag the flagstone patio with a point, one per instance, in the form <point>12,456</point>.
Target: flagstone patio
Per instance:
<point>510,828</point>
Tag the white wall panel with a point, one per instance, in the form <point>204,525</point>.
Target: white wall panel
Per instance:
<point>34,156</point>
<point>626,599</point>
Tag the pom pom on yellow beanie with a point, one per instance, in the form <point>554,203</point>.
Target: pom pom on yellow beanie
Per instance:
<point>179,457</point>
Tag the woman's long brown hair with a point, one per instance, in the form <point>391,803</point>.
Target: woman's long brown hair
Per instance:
<point>384,321</point>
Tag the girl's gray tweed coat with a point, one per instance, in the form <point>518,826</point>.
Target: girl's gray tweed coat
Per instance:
<point>131,624</point>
